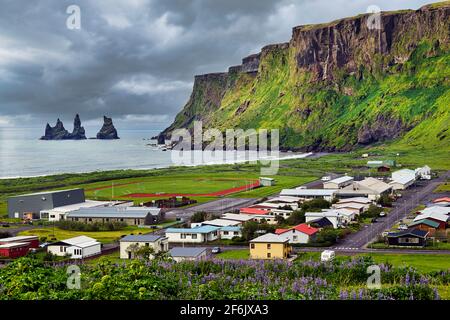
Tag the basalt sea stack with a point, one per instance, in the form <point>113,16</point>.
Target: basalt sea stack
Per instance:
<point>58,132</point>
<point>107,132</point>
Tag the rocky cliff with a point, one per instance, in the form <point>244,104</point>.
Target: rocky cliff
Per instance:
<point>338,85</point>
<point>58,132</point>
<point>108,131</point>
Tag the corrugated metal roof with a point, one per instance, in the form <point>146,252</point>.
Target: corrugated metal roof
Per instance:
<point>141,238</point>
<point>308,192</point>
<point>113,212</point>
<point>270,237</point>
<point>201,229</point>
<point>191,252</point>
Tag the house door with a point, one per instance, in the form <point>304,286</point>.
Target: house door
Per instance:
<point>129,254</point>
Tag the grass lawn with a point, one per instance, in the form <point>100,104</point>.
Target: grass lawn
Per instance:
<point>422,262</point>
<point>112,257</point>
<point>443,187</point>
<point>234,254</point>
<point>102,236</point>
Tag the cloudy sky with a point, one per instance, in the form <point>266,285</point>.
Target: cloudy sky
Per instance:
<point>135,60</point>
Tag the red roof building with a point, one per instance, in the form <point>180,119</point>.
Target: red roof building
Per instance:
<point>298,234</point>
<point>14,249</point>
<point>254,211</point>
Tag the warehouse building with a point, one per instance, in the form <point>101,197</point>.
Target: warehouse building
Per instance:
<point>29,206</point>
<point>338,183</point>
<point>130,215</point>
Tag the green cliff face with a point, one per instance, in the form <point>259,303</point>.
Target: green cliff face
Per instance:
<point>340,85</point>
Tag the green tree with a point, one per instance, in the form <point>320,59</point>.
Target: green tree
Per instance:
<point>296,217</point>
<point>198,217</point>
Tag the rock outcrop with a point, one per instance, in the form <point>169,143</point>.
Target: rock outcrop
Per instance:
<point>58,132</point>
<point>108,131</point>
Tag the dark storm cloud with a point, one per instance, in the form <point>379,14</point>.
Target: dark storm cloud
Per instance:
<point>135,59</point>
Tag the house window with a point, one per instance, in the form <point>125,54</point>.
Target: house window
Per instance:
<point>235,233</point>
<point>121,219</point>
<point>408,240</point>
<point>90,219</point>
<point>252,246</point>
<point>107,219</point>
<point>183,236</point>
<point>295,238</point>
<point>269,246</point>
<point>269,255</point>
<point>225,233</point>
<point>194,236</point>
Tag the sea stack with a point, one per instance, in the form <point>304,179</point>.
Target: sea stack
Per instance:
<point>107,132</point>
<point>58,132</point>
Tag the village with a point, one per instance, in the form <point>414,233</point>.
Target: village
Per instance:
<point>328,215</point>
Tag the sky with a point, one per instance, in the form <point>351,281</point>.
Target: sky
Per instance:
<point>135,60</point>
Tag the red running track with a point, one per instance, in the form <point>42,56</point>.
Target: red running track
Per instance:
<point>212,194</point>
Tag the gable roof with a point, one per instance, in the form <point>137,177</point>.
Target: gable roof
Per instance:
<point>270,237</point>
<point>444,199</point>
<point>427,222</point>
<point>435,210</point>
<point>141,238</point>
<point>236,217</point>
<point>435,216</point>
<point>374,184</point>
<point>303,228</point>
<point>410,232</point>
<point>363,200</point>
<point>191,252</point>
<point>200,229</point>
<point>113,212</point>
<point>321,222</point>
<point>340,180</point>
<point>308,192</point>
<point>220,223</point>
<point>253,211</point>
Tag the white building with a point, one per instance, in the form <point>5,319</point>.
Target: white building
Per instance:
<point>200,234</point>
<point>266,182</point>
<point>230,232</point>
<point>301,233</point>
<point>424,173</point>
<point>129,243</point>
<point>327,194</point>
<point>188,254</point>
<point>59,213</point>
<point>402,179</point>
<point>370,188</point>
<point>237,217</point>
<point>333,217</point>
<point>221,223</point>
<point>285,201</point>
<point>338,183</point>
<point>77,248</point>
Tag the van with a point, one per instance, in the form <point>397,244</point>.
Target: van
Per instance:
<point>327,255</point>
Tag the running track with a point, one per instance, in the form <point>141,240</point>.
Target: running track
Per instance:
<point>211,194</point>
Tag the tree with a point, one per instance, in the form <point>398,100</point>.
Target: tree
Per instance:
<point>249,229</point>
<point>385,200</point>
<point>296,217</point>
<point>315,204</point>
<point>145,252</point>
<point>280,219</point>
<point>198,217</point>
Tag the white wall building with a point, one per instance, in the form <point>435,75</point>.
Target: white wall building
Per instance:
<point>59,213</point>
<point>370,188</point>
<point>200,234</point>
<point>230,232</point>
<point>402,179</point>
<point>327,194</point>
<point>77,248</point>
<point>338,183</point>
<point>301,233</point>
<point>129,243</point>
<point>423,173</point>
<point>334,217</point>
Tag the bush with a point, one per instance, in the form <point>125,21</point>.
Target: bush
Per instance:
<point>4,234</point>
<point>89,227</point>
<point>296,217</point>
<point>198,217</point>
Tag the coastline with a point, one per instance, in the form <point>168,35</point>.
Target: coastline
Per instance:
<point>288,156</point>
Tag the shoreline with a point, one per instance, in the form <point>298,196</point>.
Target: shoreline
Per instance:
<point>289,156</point>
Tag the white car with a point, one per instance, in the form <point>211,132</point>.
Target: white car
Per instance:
<point>326,178</point>
<point>327,255</point>
<point>403,227</point>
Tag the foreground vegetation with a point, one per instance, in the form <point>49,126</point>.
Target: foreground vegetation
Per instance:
<point>26,278</point>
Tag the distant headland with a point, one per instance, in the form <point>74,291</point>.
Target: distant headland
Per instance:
<point>58,132</point>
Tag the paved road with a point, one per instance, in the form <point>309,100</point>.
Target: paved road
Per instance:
<point>410,199</point>
<point>217,206</point>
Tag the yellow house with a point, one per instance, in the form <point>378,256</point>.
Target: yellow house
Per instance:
<point>269,246</point>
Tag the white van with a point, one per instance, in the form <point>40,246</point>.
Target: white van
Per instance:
<point>327,255</point>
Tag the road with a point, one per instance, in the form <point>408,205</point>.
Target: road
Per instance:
<point>219,206</point>
<point>410,199</point>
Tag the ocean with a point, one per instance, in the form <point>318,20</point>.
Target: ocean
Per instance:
<point>22,154</point>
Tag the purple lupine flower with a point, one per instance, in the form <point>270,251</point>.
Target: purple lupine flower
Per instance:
<point>436,294</point>
<point>343,295</point>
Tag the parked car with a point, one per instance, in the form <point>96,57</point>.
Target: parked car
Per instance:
<point>403,227</point>
<point>216,250</point>
<point>382,214</point>
<point>326,178</point>
<point>327,255</point>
